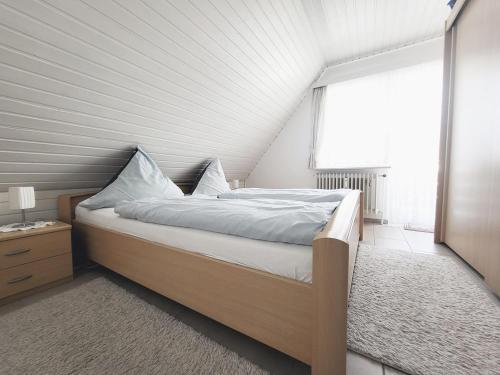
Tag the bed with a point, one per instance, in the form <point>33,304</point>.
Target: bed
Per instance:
<point>303,316</point>
<point>287,260</point>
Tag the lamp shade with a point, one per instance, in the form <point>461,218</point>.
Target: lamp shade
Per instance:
<point>21,198</point>
<point>234,184</point>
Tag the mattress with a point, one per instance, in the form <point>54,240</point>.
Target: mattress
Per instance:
<point>282,259</point>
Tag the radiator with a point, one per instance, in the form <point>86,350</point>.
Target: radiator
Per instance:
<point>371,181</point>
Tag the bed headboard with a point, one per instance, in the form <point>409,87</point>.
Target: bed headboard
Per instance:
<point>68,202</point>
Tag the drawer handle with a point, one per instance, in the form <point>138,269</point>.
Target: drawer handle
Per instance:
<point>19,279</point>
<point>17,252</point>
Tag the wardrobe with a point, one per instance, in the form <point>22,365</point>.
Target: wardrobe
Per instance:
<point>468,208</point>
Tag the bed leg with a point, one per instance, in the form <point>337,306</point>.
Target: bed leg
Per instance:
<point>330,291</point>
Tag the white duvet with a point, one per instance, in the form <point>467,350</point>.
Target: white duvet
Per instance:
<point>303,195</point>
<point>261,219</point>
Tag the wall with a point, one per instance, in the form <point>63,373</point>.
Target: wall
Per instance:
<point>82,82</point>
<point>394,59</point>
<point>284,165</point>
<point>349,30</point>
<point>285,162</point>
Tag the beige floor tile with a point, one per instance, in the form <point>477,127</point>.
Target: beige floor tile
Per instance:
<point>360,365</point>
<point>368,236</point>
<point>368,242</point>
<point>390,243</point>
<point>436,250</point>
<point>391,371</point>
<point>387,231</point>
<point>422,242</point>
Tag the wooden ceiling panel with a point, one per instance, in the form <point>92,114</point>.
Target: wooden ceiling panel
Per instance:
<point>83,81</point>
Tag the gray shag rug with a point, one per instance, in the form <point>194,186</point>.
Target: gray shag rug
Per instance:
<point>422,314</point>
<point>100,328</point>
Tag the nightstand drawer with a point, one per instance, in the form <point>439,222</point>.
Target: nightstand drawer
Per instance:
<point>31,248</point>
<point>28,276</point>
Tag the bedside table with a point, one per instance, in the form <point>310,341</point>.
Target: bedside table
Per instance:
<point>33,260</point>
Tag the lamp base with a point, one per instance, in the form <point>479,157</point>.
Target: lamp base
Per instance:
<point>27,224</point>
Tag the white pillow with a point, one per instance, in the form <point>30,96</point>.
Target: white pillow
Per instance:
<point>213,181</point>
<point>140,178</point>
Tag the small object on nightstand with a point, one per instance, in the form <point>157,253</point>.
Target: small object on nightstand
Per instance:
<point>21,198</point>
<point>15,227</point>
<point>33,260</point>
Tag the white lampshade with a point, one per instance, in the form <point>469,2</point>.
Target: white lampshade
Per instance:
<point>234,184</point>
<point>21,198</point>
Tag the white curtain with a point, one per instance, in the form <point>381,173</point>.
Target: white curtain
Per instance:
<point>389,119</point>
<point>318,117</point>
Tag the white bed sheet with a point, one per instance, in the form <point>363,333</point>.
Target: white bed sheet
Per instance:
<point>288,260</point>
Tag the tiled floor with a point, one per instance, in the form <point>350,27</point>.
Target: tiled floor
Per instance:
<point>395,237</point>
<point>359,365</point>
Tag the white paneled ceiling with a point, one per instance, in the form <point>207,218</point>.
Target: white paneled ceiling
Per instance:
<point>350,29</point>
<point>83,81</point>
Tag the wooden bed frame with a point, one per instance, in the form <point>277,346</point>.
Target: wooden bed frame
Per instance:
<point>305,321</point>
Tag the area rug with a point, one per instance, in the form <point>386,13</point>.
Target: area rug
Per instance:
<point>100,328</point>
<point>422,314</point>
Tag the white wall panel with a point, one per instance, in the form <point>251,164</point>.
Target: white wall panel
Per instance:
<point>280,168</point>
<point>416,53</point>
<point>83,81</point>
<point>348,30</point>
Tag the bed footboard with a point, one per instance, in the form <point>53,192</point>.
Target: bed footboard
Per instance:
<point>334,255</point>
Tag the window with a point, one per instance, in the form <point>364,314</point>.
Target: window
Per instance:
<point>389,119</point>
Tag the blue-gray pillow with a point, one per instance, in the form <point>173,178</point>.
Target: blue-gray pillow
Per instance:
<point>140,178</point>
<point>213,181</point>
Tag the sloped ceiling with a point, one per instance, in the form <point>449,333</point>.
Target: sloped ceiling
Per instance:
<point>83,81</point>
<point>351,29</point>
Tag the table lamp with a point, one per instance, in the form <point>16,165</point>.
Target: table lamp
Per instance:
<point>21,198</point>
<point>234,184</point>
